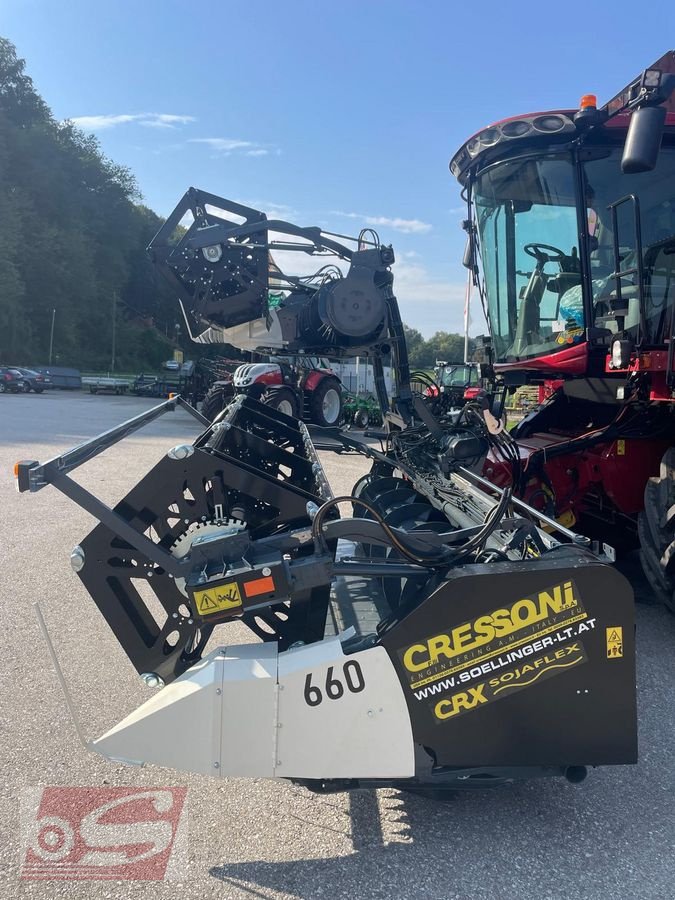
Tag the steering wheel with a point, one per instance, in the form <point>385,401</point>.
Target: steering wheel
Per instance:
<point>538,252</point>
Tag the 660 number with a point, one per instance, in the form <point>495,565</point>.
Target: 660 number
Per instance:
<point>334,687</point>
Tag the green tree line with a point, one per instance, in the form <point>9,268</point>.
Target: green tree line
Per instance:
<point>73,233</point>
<point>443,345</point>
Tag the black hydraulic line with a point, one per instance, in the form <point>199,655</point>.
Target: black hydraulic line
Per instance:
<point>371,531</point>
<point>488,485</point>
<point>223,234</point>
<point>610,432</point>
<point>396,542</point>
<point>494,518</point>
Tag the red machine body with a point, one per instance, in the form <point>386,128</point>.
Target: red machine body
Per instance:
<point>571,228</point>
<point>577,483</point>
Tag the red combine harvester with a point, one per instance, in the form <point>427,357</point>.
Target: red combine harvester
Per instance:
<point>571,231</point>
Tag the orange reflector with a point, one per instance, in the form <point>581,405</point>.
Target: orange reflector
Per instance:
<point>16,470</point>
<point>588,101</point>
<point>259,586</point>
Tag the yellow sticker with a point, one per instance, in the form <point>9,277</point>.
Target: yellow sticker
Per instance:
<point>614,642</point>
<point>567,519</point>
<point>218,599</point>
<point>621,447</point>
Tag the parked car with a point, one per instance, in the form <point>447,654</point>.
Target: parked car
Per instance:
<point>11,381</point>
<point>34,381</point>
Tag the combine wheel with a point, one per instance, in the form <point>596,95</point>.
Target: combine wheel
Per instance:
<point>656,528</point>
<point>216,399</point>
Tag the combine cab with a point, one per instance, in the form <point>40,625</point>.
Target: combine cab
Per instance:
<point>572,241</point>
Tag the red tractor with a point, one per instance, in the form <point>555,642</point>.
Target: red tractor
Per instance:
<point>302,387</point>
<point>571,239</point>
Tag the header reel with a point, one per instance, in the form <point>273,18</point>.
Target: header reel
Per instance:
<point>226,264</point>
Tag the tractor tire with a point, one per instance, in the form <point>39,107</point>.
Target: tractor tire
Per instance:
<point>656,528</point>
<point>284,401</point>
<point>325,403</point>
<point>216,399</point>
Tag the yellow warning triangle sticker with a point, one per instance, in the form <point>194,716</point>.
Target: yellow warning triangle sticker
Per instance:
<point>614,636</point>
<point>207,602</point>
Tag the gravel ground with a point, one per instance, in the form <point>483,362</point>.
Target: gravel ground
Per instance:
<point>614,835</point>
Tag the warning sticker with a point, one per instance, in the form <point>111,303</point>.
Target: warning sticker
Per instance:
<point>614,642</point>
<point>218,599</point>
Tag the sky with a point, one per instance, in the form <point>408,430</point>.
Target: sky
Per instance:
<point>342,115</point>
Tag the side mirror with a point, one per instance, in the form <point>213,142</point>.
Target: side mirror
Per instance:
<point>643,141</point>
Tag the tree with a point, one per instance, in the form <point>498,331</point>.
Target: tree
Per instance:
<point>415,343</point>
<point>443,345</point>
<point>73,237</point>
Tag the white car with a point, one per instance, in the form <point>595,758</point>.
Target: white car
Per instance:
<point>172,365</point>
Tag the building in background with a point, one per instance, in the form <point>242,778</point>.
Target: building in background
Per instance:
<point>356,375</point>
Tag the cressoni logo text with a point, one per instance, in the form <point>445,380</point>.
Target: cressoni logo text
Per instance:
<point>484,629</point>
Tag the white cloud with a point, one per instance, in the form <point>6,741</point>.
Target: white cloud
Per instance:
<point>224,144</point>
<point>151,120</point>
<point>233,145</point>
<point>431,304</point>
<point>166,120</point>
<point>271,209</point>
<point>406,226</point>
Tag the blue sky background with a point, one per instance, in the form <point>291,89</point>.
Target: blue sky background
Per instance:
<point>336,114</point>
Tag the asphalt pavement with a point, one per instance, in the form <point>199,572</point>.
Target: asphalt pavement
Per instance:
<point>611,836</point>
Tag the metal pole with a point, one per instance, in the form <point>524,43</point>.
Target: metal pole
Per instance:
<point>467,316</point>
<point>51,337</point>
<point>114,307</point>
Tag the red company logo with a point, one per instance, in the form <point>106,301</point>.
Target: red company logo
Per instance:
<point>95,834</point>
